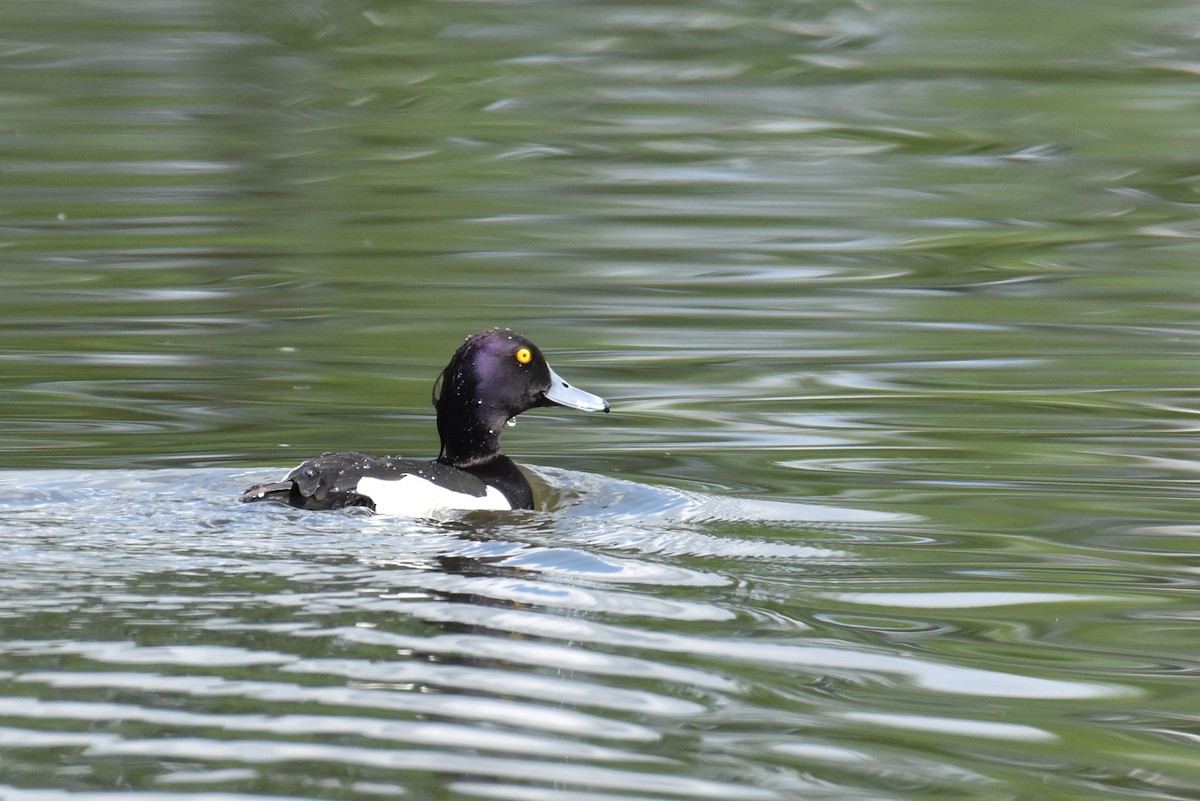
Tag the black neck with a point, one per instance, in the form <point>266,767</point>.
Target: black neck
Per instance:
<point>470,433</point>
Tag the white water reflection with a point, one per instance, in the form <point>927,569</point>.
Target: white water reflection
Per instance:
<point>534,640</point>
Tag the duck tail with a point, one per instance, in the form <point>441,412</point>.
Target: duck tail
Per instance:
<point>279,492</point>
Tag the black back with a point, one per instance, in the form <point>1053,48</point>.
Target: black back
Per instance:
<point>329,481</point>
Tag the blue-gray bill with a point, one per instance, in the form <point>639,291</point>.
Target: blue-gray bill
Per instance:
<point>564,394</point>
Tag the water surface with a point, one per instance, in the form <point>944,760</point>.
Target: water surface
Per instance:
<point>895,308</point>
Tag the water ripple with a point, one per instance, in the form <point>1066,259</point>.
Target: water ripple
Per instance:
<point>575,644</point>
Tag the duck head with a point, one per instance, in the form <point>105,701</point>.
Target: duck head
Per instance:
<point>493,377</point>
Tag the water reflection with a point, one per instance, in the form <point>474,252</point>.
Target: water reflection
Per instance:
<point>401,646</point>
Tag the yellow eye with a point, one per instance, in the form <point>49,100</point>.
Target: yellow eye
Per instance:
<point>524,355</point>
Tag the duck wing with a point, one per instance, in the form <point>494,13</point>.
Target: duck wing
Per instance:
<point>339,480</point>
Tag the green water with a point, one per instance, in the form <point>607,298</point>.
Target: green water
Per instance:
<point>895,305</point>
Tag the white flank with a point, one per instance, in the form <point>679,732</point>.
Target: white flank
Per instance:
<point>413,496</point>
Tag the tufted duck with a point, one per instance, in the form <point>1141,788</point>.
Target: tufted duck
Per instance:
<point>493,377</point>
